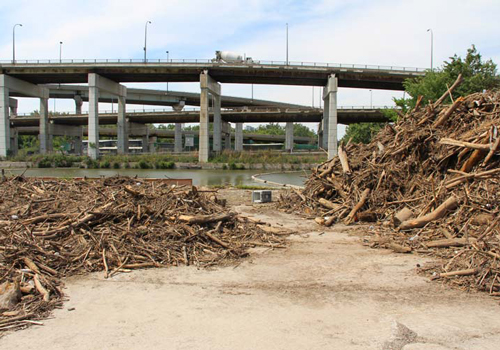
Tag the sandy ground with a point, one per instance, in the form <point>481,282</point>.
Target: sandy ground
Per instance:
<point>326,291</point>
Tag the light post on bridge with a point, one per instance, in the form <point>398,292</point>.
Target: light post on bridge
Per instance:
<point>371,98</point>
<point>14,42</point>
<point>146,40</point>
<point>167,62</point>
<point>60,51</point>
<point>432,48</point>
<point>287,44</point>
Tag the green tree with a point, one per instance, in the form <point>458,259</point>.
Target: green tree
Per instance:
<point>477,76</point>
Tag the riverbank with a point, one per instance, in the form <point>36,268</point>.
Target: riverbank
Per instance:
<point>264,160</point>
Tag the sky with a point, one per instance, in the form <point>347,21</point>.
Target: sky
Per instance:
<point>377,32</point>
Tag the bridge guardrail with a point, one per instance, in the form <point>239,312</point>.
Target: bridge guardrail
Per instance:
<point>237,109</point>
<point>215,63</point>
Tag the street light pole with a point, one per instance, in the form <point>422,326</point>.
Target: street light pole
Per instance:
<point>371,98</point>
<point>287,44</point>
<point>146,39</point>
<point>432,48</point>
<point>14,41</point>
<point>60,51</point>
<point>167,62</point>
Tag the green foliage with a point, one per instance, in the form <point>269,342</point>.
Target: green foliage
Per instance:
<point>91,164</point>
<point>143,164</point>
<point>477,76</point>
<point>105,164</point>
<point>164,165</point>
<point>45,162</point>
<point>236,166</point>
<point>116,165</point>
<point>361,132</point>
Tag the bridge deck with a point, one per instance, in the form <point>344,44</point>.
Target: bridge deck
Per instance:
<point>311,74</point>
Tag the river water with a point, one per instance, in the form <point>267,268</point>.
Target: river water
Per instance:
<point>199,177</point>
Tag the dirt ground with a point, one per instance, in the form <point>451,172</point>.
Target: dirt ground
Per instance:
<point>326,291</point>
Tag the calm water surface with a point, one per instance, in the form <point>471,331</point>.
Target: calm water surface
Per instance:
<point>200,177</point>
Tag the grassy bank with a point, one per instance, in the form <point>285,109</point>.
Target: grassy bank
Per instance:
<point>230,160</point>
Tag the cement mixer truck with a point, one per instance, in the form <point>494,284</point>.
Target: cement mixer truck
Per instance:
<point>230,57</point>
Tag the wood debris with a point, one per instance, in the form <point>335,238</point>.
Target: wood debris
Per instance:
<point>433,180</point>
<point>51,229</point>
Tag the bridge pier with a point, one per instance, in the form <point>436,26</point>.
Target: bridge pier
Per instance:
<point>207,85</point>
<point>97,83</point>
<point>78,104</point>
<point>178,137</point>
<point>218,124</point>
<point>14,141</point>
<point>13,107</point>
<point>289,136</point>
<point>7,84</point>
<point>226,132</point>
<point>330,116</point>
<point>238,137</point>
<point>178,128</point>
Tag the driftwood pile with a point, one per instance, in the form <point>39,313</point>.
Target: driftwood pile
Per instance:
<point>432,183</point>
<point>51,229</point>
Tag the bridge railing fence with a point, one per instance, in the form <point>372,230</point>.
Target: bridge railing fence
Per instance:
<point>195,109</point>
<point>212,62</point>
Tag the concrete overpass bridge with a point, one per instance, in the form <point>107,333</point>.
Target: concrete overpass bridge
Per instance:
<point>151,97</point>
<point>28,77</point>
<point>71,125</point>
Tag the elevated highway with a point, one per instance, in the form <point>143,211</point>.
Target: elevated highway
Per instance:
<point>259,72</point>
<point>104,77</point>
<point>170,134</point>
<point>346,115</point>
<point>151,97</point>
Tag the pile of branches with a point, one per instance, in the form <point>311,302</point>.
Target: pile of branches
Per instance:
<point>431,181</point>
<point>50,229</point>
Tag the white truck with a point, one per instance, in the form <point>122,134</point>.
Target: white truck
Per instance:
<point>231,57</point>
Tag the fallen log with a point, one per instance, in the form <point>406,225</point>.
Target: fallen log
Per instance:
<point>445,243</point>
<point>401,216</point>
<point>466,272</point>
<point>442,119</point>
<point>344,161</point>
<point>448,205</point>
<point>451,142</point>
<point>205,219</point>
<point>328,204</point>
<point>362,200</point>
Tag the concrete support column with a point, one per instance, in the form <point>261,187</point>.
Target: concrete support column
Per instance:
<point>289,136</point>
<point>331,108</point>
<point>14,141</point>
<point>122,130</point>
<point>320,135</point>
<point>178,137</point>
<point>78,104</point>
<point>226,131</point>
<point>217,139</point>
<point>145,144</point>
<point>78,145</point>
<point>324,126</point>
<point>207,85</point>
<point>238,137</point>
<point>7,84</point>
<point>152,144</point>
<point>4,119</point>
<point>93,128</point>
<point>203,150</point>
<point>44,135</point>
<point>96,84</point>
<point>13,107</point>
